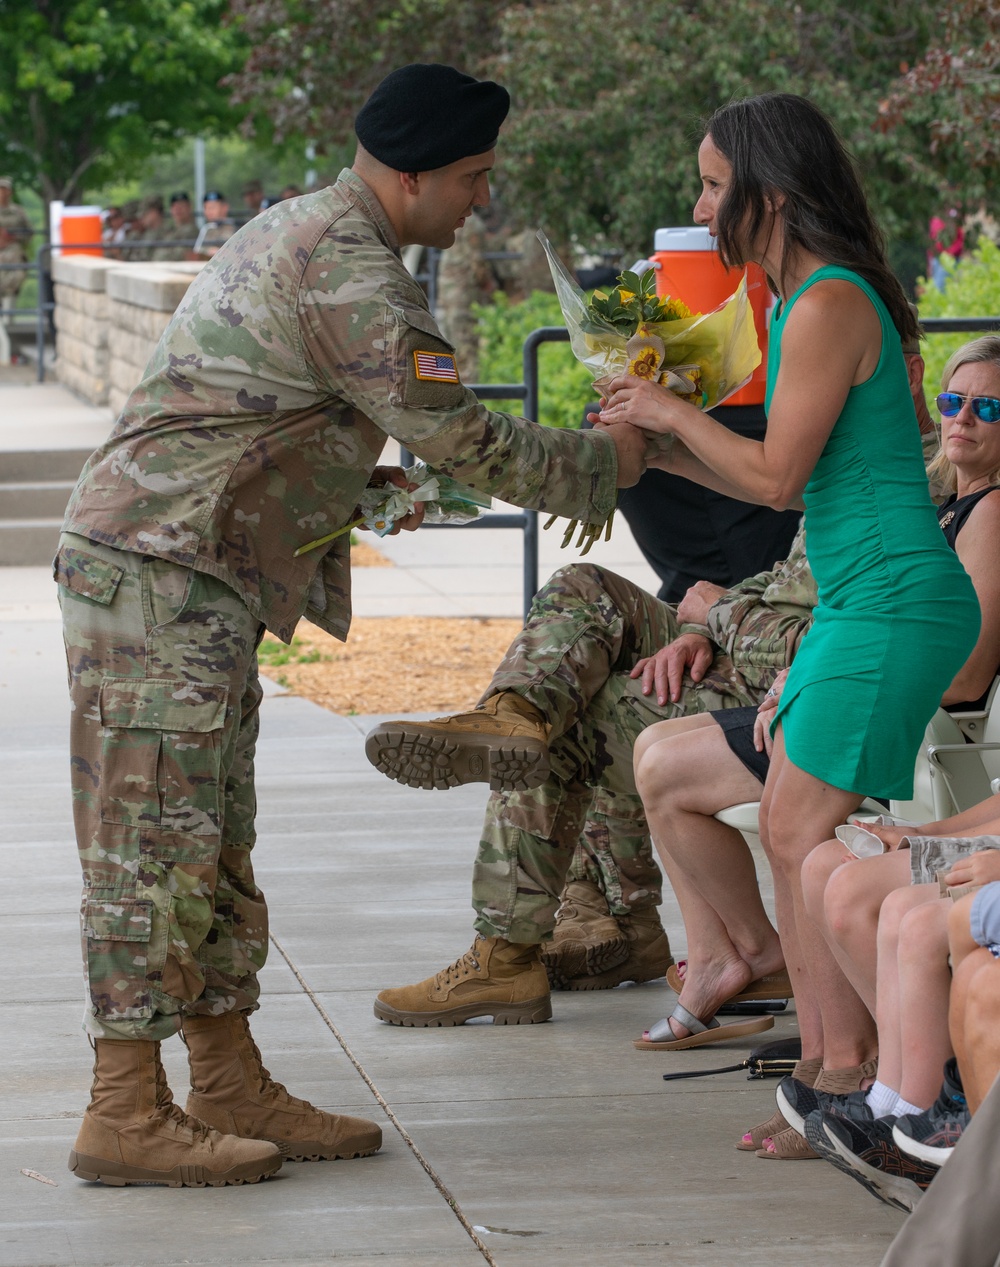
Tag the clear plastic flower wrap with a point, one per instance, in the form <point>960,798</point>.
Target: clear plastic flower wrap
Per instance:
<point>702,357</point>
<point>445,501</point>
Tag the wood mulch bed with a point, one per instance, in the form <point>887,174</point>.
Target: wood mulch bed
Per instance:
<point>391,664</point>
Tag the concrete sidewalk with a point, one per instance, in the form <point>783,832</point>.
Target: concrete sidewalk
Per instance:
<point>554,1144</point>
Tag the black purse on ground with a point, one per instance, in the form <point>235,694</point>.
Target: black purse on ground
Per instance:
<point>773,1060</point>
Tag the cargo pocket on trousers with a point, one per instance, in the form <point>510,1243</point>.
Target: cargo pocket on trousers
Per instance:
<point>162,754</point>
<point>116,933</point>
<point>86,575</point>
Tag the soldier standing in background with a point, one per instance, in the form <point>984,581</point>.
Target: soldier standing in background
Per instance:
<point>464,278</point>
<point>181,228</point>
<point>218,228</point>
<point>15,236</point>
<point>253,198</point>
<point>259,420</point>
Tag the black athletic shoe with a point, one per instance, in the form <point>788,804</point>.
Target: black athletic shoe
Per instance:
<point>932,1136</point>
<point>798,1102</point>
<point>867,1152</point>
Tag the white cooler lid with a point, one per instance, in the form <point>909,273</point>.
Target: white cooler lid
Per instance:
<point>692,237</point>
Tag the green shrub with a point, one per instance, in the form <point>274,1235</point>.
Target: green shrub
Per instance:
<point>564,384</point>
<point>972,290</point>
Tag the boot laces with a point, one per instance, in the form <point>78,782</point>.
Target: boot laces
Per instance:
<point>267,1087</point>
<point>168,1111</point>
<point>463,967</point>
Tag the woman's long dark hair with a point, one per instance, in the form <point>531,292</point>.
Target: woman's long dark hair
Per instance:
<point>778,143</point>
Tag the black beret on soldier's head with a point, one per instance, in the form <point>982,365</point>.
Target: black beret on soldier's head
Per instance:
<point>425,116</point>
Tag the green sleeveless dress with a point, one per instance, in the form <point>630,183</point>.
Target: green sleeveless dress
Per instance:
<point>897,615</point>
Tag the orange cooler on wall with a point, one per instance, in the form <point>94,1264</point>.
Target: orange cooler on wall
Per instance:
<point>689,268</point>
<point>80,224</point>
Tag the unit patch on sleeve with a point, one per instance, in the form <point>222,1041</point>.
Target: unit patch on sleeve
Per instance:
<point>435,367</point>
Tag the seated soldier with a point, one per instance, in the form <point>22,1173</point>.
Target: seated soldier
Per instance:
<point>599,660</point>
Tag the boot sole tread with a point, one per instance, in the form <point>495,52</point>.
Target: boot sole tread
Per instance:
<point>563,965</point>
<point>431,761</point>
<point>530,1013</point>
<point>321,1153</point>
<point>116,1174</point>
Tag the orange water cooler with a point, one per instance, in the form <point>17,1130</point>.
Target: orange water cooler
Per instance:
<point>688,267</point>
<point>79,225</point>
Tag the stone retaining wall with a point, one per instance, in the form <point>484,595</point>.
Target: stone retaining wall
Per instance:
<point>81,320</point>
<point>109,316</point>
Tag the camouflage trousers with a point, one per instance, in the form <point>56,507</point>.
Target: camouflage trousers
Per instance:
<point>586,629</point>
<point>165,696</point>
<point>11,280</point>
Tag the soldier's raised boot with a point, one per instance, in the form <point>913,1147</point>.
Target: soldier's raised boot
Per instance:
<point>231,1090</point>
<point>502,979</point>
<point>504,742</point>
<point>586,938</point>
<point>133,1132</point>
<point>648,956</point>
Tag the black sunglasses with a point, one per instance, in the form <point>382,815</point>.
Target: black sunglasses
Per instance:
<point>985,408</point>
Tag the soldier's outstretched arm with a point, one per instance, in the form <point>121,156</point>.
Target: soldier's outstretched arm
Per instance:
<point>385,355</point>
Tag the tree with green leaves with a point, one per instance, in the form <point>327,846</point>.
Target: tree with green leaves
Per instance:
<point>90,88</point>
<point>955,91</point>
<point>607,95</point>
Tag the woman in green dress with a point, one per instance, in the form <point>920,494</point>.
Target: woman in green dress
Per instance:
<point>897,614</point>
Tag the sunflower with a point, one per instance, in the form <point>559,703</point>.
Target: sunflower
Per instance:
<point>645,364</point>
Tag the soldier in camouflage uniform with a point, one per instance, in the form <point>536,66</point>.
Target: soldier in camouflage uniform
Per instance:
<point>15,235</point>
<point>259,419</point>
<point>558,720</point>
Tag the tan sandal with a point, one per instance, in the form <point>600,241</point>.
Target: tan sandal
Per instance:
<point>806,1071</point>
<point>787,1145</point>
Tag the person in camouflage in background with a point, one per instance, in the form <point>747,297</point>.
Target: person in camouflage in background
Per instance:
<point>15,237</point>
<point>598,661</point>
<point>295,353</point>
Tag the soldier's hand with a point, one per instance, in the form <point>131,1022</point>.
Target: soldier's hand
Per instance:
<point>693,607</point>
<point>664,672</point>
<point>630,444</point>
<point>383,475</point>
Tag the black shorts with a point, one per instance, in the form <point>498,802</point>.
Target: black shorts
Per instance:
<point>737,725</point>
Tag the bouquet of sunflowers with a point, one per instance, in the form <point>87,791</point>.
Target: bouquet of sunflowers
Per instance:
<point>702,357</point>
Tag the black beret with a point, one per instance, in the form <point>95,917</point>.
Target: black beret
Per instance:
<point>425,116</point>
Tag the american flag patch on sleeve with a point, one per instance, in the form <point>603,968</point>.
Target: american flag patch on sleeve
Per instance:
<point>436,367</point>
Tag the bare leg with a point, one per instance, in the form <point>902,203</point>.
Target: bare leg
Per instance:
<point>801,812</point>
<point>982,1028</point>
<point>852,902</point>
<point>924,989</point>
<point>684,777</point>
<point>967,958</point>
<point>895,908</point>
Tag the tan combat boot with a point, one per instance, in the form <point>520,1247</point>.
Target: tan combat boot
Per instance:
<point>495,978</point>
<point>586,938</point>
<point>132,1131</point>
<point>503,743</point>
<point>231,1089</point>
<point>649,954</point>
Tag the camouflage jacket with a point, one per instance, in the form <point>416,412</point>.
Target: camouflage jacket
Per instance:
<point>14,219</point>
<point>761,622</point>
<point>268,400</point>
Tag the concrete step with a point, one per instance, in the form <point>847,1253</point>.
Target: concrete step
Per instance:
<point>28,542</point>
<point>34,500</point>
<point>25,466</point>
